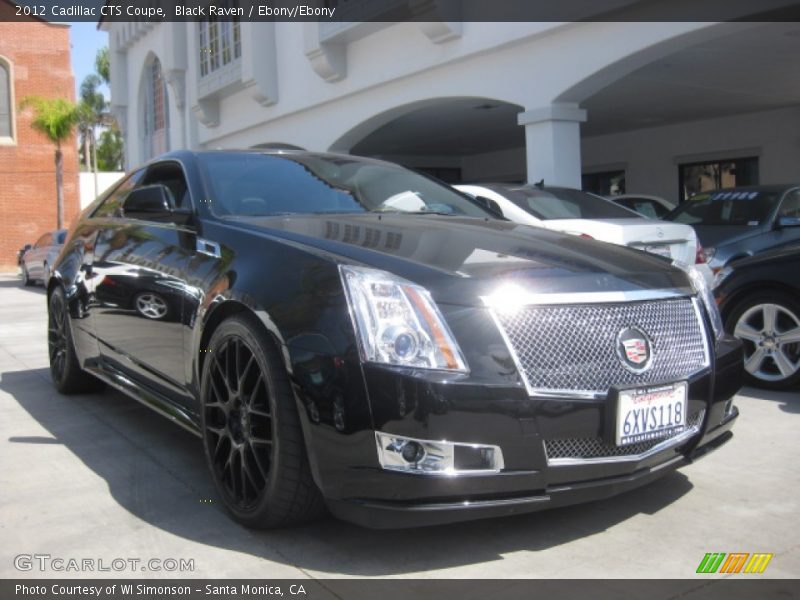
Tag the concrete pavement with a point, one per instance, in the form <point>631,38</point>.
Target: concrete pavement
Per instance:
<point>101,477</point>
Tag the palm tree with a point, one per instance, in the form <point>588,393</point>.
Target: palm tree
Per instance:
<point>55,118</point>
<point>93,113</point>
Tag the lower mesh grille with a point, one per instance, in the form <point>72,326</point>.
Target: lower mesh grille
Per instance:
<point>588,448</point>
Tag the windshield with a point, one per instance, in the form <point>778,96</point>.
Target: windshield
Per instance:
<point>60,236</point>
<point>263,184</point>
<point>563,203</point>
<point>732,207</point>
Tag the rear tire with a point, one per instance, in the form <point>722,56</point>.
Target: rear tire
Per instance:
<point>768,323</point>
<point>65,370</point>
<point>252,435</point>
<point>26,278</point>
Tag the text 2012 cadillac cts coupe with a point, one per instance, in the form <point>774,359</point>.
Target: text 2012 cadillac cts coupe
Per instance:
<point>345,332</point>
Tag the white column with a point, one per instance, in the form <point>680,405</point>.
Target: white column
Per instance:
<point>553,144</point>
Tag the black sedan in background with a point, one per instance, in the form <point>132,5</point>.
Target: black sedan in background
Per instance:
<point>759,298</point>
<point>345,332</point>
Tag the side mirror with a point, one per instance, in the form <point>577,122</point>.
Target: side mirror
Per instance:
<point>788,222</point>
<point>27,247</point>
<point>153,203</point>
<point>490,205</point>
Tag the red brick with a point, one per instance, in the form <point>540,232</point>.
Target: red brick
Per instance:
<point>40,58</point>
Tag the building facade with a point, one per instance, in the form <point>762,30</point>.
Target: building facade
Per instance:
<point>658,108</point>
<point>34,61</point>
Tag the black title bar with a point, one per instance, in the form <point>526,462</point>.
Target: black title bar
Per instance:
<point>339,11</point>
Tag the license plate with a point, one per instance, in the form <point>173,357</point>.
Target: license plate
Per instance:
<point>659,250</point>
<point>650,413</point>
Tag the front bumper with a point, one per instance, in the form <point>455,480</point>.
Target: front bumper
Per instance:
<point>357,489</point>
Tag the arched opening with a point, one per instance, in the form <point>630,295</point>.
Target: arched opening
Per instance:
<point>155,113</point>
<point>454,139</point>
<point>715,110</point>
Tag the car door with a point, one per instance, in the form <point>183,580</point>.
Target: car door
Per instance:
<point>139,272</point>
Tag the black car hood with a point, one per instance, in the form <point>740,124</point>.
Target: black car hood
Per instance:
<point>717,235</point>
<point>462,259</point>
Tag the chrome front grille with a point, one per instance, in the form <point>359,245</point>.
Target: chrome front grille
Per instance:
<point>580,449</point>
<point>571,348</point>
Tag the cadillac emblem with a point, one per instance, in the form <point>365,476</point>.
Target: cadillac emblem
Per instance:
<point>634,349</point>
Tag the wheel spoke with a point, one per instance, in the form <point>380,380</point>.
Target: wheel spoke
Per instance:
<point>754,362</point>
<point>245,372</point>
<point>770,317</point>
<point>785,366</point>
<point>260,441</point>
<point>257,460</point>
<point>746,332</point>
<point>259,413</point>
<point>792,336</point>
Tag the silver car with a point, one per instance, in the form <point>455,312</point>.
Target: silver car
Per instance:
<point>36,262</point>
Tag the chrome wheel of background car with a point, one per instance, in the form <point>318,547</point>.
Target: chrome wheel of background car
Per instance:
<point>238,421</point>
<point>770,332</point>
<point>251,429</point>
<point>151,305</point>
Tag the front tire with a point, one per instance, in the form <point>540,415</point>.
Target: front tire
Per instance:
<point>251,430</point>
<point>768,323</point>
<point>65,370</point>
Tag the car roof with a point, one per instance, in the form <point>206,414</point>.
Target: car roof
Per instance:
<point>183,154</point>
<point>774,187</point>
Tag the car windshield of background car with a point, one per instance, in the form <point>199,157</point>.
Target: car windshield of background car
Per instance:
<point>746,208</point>
<point>565,204</point>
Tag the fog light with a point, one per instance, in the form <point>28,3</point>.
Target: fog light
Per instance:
<point>398,453</point>
<point>413,452</point>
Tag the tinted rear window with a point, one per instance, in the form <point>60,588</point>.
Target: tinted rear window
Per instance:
<point>733,207</point>
<point>563,203</point>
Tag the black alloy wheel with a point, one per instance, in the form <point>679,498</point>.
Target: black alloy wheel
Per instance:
<point>65,370</point>
<point>251,430</point>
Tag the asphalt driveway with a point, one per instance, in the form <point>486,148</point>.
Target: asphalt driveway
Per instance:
<point>101,477</point>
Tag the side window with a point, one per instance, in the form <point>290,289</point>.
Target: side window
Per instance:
<point>790,207</point>
<point>170,175</point>
<point>110,206</point>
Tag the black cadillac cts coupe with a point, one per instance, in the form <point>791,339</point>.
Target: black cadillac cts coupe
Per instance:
<point>345,332</point>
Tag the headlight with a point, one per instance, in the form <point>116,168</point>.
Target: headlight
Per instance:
<point>709,253</point>
<point>702,289</point>
<point>397,322</point>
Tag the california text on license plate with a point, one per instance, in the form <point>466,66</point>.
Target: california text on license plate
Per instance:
<point>649,413</point>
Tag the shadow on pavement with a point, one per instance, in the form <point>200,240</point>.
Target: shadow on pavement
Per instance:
<point>17,283</point>
<point>789,400</point>
<point>156,471</point>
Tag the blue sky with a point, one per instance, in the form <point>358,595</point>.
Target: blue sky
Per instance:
<point>85,40</point>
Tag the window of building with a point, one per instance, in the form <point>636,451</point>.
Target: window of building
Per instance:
<point>694,178</point>
<point>6,103</point>
<point>220,43</point>
<point>156,112</point>
<point>607,183</point>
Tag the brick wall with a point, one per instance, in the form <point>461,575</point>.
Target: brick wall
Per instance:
<point>40,61</point>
